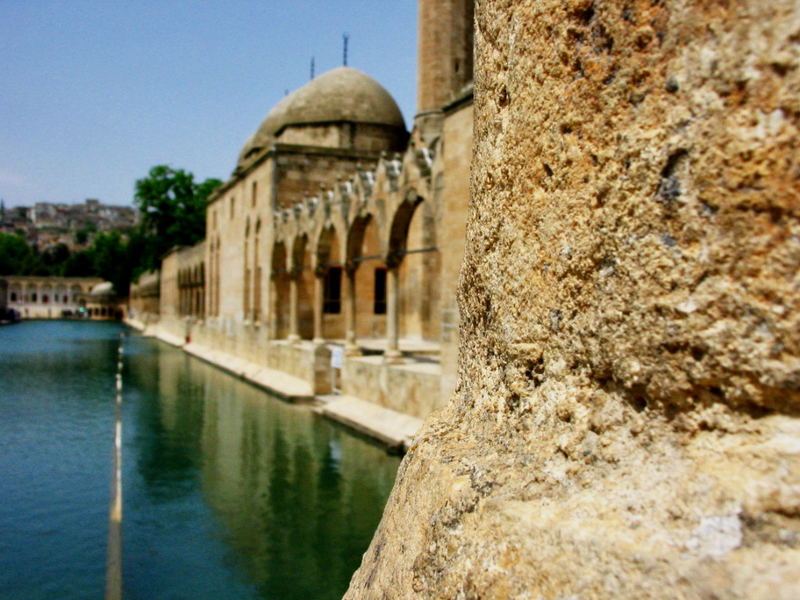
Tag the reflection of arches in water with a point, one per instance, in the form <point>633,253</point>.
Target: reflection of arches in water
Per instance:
<point>280,291</point>
<point>294,495</point>
<point>304,277</point>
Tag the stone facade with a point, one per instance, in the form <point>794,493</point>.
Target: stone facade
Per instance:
<point>56,297</point>
<point>625,423</point>
<point>144,301</point>
<point>339,232</point>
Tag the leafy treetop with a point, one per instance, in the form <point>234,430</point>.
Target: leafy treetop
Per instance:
<point>173,209</point>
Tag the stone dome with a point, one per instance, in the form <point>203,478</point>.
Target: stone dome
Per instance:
<point>341,95</point>
<point>102,290</point>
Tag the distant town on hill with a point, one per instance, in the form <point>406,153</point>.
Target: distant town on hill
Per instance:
<point>47,224</point>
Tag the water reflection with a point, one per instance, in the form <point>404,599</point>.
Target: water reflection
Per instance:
<point>56,431</point>
<point>283,500</point>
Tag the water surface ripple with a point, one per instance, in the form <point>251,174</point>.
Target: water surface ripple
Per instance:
<point>228,493</point>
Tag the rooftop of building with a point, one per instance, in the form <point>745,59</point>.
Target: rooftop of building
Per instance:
<point>343,94</point>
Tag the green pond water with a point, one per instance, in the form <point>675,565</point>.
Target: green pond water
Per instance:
<point>228,492</point>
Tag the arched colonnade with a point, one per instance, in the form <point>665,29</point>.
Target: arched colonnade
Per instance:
<point>192,291</point>
<point>336,258</point>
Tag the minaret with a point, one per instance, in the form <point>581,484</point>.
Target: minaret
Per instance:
<point>444,50</point>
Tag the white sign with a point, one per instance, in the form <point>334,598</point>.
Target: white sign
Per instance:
<point>337,357</point>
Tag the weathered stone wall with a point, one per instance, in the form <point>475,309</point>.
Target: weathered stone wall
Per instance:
<point>457,141</point>
<point>302,170</point>
<point>412,389</point>
<point>346,135</point>
<point>168,300</point>
<point>626,419</point>
<point>144,303</point>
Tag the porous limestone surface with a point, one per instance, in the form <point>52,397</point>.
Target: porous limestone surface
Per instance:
<point>625,423</point>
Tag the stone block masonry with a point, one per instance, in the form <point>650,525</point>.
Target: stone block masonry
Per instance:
<point>625,422</point>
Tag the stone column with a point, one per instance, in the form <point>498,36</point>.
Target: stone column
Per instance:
<point>319,282</point>
<point>294,312</point>
<point>350,343</point>
<point>392,352</point>
<point>272,304</point>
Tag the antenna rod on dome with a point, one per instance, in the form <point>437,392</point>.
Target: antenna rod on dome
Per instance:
<point>312,67</point>
<point>345,38</point>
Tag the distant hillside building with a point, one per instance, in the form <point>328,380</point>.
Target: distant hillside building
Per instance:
<point>46,224</point>
<point>35,297</point>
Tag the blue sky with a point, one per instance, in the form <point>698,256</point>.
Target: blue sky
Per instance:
<point>95,92</point>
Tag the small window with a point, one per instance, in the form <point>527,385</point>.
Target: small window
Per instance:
<point>255,192</point>
<point>33,297</point>
<point>13,296</point>
<point>380,291</point>
<point>233,206</point>
<point>332,303</point>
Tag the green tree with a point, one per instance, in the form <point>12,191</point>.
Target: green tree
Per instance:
<point>17,257</point>
<point>111,260</point>
<point>172,208</point>
<point>81,236</point>
<point>79,264</point>
<point>54,258</point>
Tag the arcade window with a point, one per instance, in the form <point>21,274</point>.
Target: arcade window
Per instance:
<point>332,300</point>
<point>13,297</point>
<point>380,291</point>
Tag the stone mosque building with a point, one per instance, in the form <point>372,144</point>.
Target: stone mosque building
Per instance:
<point>45,297</point>
<point>332,253</point>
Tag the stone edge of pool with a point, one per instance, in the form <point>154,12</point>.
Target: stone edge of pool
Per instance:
<point>392,429</point>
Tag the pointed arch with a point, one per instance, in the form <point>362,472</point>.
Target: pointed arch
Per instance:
<point>367,267</point>
<point>398,232</point>
<point>329,269</point>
